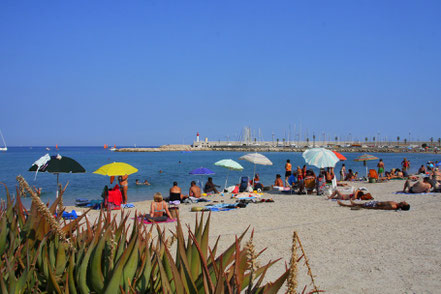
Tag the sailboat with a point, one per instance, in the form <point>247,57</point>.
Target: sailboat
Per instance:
<point>113,148</point>
<point>4,143</point>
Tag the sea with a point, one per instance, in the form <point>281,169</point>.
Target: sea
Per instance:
<point>161,169</point>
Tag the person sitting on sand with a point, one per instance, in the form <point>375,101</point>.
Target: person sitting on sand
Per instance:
<point>175,193</point>
<point>436,175</point>
<point>362,194</point>
<point>158,210</point>
<point>210,186</point>
<point>422,169</point>
<point>382,205</point>
<point>350,176</point>
<point>423,186</point>
<point>279,182</point>
<point>257,183</point>
<point>194,191</point>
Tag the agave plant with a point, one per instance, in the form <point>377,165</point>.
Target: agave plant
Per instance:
<point>40,252</point>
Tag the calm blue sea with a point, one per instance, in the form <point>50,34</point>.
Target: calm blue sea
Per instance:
<point>175,167</point>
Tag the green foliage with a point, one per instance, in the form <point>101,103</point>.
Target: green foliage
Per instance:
<point>104,257</point>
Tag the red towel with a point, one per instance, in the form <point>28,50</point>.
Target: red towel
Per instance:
<point>115,196</point>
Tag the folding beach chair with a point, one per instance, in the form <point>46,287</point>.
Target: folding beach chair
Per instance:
<point>244,184</point>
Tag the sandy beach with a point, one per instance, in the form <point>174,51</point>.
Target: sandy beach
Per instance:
<point>350,251</point>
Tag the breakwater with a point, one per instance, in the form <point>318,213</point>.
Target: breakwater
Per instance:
<point>187,148</point>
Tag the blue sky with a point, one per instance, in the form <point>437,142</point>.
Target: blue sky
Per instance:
<point>156,72</point>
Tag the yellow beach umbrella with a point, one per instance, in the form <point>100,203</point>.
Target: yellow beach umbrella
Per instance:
<point>116,169</point>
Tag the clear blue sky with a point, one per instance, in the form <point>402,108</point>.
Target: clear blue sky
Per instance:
<point>155,72</point>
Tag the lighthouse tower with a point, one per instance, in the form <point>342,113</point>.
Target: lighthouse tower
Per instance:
<point>197,137</point>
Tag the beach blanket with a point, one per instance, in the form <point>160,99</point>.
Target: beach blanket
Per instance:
<point>167,221</point>
<point>407,193</point>
<point>127,205</point>
<point>69,215</point>
<point>244,195</point>
<point>220,207</point>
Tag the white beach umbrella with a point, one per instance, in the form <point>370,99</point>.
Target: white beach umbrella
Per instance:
<point>230,165</point>
<point>320,157</point>
<point>256,158</point>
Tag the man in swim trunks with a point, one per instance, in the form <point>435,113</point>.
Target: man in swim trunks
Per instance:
<point>195,191</point>
<point>288,170</point>
<point>423,186</point>
<point>380,166</point>
<point>381,205</point>
<point>124,184</point>
<point>210,186</point>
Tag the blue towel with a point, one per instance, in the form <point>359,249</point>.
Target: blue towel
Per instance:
<point>128,205</point>
<point>70,215</point>
<point>407,193</point>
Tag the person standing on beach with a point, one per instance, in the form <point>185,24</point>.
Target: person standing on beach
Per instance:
<point>343,172</point>
<point>288,170</point>
<point>124,184</point>
<point>405,164</point>
<point>380,166</point>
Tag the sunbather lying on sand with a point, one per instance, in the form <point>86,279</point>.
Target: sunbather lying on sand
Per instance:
<point>423,186</point>
<point>383,205</point>
<point>358,194</point>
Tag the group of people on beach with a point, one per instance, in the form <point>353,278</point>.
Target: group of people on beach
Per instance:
<point>305,181</point>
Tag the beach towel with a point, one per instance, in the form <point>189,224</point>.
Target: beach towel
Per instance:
<point>69,215</point>
<point>127,205</point>
<point>167,221</point>
<point>115,196</point>
<point>407,193</point>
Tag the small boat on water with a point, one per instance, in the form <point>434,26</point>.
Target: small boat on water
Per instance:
<point>113,148</point>
<point>4,143</point>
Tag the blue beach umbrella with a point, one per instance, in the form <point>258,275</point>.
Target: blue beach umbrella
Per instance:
<point>202,171</point>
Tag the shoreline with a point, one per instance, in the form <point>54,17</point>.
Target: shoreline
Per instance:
<point>347,249</point>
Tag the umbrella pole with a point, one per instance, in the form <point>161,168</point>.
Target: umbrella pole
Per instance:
<point>254,173</point>
<point>57,183</point>
<point>226,181</point>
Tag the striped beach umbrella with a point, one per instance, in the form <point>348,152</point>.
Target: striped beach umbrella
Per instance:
<point>365,157</point>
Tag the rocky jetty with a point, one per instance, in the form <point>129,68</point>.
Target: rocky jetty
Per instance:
<point>257,148</point>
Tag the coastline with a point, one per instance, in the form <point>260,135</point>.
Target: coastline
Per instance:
<point>347,249</point>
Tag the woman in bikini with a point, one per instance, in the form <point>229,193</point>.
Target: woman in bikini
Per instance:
<point>124,184</point>
<point>158,210</point>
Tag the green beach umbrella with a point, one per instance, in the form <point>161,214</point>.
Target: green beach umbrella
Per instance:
<point>230,165</point>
